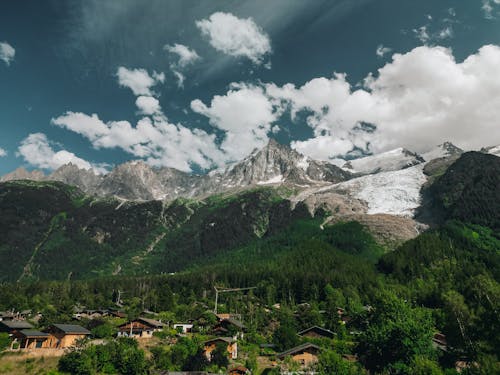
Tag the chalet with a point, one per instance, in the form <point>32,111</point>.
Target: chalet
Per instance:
<point>228,325</point>
<point>183,327</point>
<point>305,354</point>
<point>31,339</point>
<point>439,341</point>
<point>6,315</point>
<point>65,335</point>
<point>12,326</point>
<point>317,332</point>
<point>140,328</point>
<point>239,370</point>
<point>210,345</point>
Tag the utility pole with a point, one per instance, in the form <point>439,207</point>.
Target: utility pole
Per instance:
<point>227,290</point>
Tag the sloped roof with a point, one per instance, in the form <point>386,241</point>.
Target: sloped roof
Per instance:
<point>235,322</point>
<point>152,322</point>
<point>33,333</point>
<point>299,349</point>
<point>72,328</point>
<point>16,324</point>
<point>229,340</point>
<point>319,330</point>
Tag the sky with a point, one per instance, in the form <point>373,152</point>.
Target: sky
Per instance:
<point>195,85</point>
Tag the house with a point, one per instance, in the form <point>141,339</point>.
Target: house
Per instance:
<point>31,339</point>
<point>140,328</point>
<point>12,326</point>
<point>305,354</point>
<point>439,341</point>
<point>183,327</point>
<point>317,332</point>
<point>228,325</point>
<point>210,345</point>
<point>65,335</point>
<point>239,370</point>
<point>6,315</point>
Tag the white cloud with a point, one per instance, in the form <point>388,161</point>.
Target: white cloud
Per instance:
<point>422,34</point>
<point>382,51</point>
<point>417,100</point>
<point>37,151</point>
<point>236,36</point>
<point>488,8</point>
<point>7,52</point>
<point>148,105</point>
<point>139,80</point>
<point>185,54</point>
<point>186,57</point>
<point>245,114</point>
<point>155,140</point>
<point>2,152</point>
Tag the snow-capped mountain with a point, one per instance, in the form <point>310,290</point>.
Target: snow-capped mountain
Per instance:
<point>494,150</point>
<point>273,164</point>
<point>443,150</point>
<point>393,160</point>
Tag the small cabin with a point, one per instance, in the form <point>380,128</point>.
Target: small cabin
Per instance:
<point>140,328</point>
<point>239,370</point>
<point>12,326</point>
<point>210,345</point>
<point>31,339</point>
<point>228,325</point>
<point>183,327</point>
<point>65,335</point>
<point>317,332</point>
<point>305,354</point>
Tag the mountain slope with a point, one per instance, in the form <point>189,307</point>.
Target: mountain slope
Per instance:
<point>393,160</point>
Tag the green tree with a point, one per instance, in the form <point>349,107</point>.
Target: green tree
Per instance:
<point>330,362</point>
<point>219,356</point>
<point>285,337</point>
<point>4,341</point>
<point>396,334</point>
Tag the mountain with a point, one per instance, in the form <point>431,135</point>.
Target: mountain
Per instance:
<point>469,190</point>
<point>494,150</point>
<point>393,160</point>
<point>135,180</point>
<point>23,174</point>
<point>444,150</point>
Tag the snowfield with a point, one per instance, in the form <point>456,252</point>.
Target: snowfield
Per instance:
<point>395,192</point>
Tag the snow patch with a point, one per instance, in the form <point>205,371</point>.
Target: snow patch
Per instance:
<point>273,180</point>
<point>394,192</point>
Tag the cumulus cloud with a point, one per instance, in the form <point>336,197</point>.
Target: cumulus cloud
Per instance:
<point>417,100</point>
<point>2,152</point>
<point>186,57</point>
<point>148,105</point>
<point>38,151</point>
<point>185,54</point>
<point>382,51</point>
<point>236,36</point>
<point>155,140</point>
<point>139,80</point>
<point>7,53</point>
<point>245,114</point>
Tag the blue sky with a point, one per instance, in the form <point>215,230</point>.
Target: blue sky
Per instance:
<point>197,84</point>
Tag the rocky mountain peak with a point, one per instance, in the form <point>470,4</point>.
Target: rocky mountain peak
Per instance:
<point>444,150</point>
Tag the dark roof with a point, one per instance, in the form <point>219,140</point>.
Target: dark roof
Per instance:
<point>229,340</point>
<point>32,333</point>
<point>72,328</point>
<point>319,330</point>
<point>235,322</point>
<point>16,324</point>
<point>298,349</point>
<point>152,322</point>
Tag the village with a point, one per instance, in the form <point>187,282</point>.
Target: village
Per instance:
<point>217,330</point>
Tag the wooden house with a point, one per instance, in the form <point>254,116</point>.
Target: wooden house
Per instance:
<point>65,335</point>
<point>140,328</point>
<point>228,325</point>
<point>12,326</point>
<point>305,354</point>
<point>317,332</point>
<point>231,344</point>
<point>239,370</point>
<point>31,339</point>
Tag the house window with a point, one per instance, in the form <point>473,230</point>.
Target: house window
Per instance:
<point>39,343</point>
